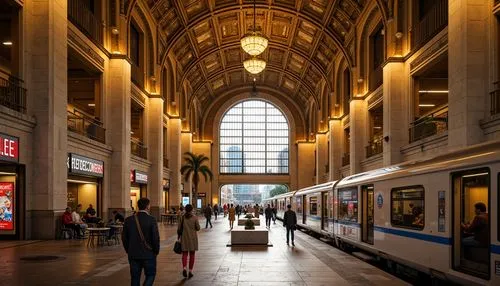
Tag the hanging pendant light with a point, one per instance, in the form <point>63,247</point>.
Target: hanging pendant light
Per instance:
<point>254,43</point>
<point>254,65</point>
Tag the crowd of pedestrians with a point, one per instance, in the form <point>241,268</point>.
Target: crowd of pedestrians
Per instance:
<point>141,239</point>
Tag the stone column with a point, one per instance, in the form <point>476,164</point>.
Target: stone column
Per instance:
<point>335,148</point>
<point>395,122</point>
<point>468,50</point>
<point>118,132</point>
<point>357,117</point>
<point>186,147</point>
<point>305,155</point>
<point>155,144</point>
<point>321,158</point>
<point>47,61</point>
<point>174,138</point>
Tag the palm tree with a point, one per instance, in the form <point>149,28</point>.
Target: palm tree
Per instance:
<point>194,166</point>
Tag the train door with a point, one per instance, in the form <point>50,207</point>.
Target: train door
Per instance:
<point>471,227</point>
<point>367,213</point>
<point>324,211</point>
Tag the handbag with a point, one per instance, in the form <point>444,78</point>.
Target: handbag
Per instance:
<point>177,244</point>
<point>139,229</point>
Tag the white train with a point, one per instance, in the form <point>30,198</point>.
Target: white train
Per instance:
<point>414,214</point>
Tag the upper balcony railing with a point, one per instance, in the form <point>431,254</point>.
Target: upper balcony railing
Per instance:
<point>375,146</point>
<point>431,24</point>
<point>85,20</point>
<point>432,124</point>
<point>346,159</point>
<point>86,126</point>
<point>138,148</point>
<point>12,93</point>
<point>495,102</point>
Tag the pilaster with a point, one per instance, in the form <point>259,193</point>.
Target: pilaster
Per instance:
<point>47,59</point>
<point>155,144</point>
<point>395,129</point>
<point>357,115</point>
<point>468,52</point>
<point>118,131</point>
<point>335,148</point>
<point>321,158</point>
<point>186,146</point>
<point>174,137</point>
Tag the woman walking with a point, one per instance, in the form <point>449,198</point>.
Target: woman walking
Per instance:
<point>232,215</point>
<point>186,232</point>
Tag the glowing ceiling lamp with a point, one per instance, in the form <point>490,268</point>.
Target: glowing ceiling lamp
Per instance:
<point>254,65</point>
<point>254,44</point>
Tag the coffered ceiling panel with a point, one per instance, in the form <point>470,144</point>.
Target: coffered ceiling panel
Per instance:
<point>305,38</point>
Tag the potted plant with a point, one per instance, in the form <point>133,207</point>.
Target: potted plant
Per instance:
<point>248,216</point>
<point>249,224</point>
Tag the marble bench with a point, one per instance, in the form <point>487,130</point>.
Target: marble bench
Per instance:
<point>257,236</point>
<point>242,221</point>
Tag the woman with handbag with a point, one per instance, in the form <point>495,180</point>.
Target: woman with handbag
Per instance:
<point>186,233</point>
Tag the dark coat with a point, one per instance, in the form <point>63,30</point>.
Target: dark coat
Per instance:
<point>268,212</point>
<point>289,219</point>
<point>132,240</point>
<point>208,212</point>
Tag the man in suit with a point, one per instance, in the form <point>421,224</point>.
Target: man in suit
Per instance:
<point>269,215</point>
<point>141,249</point>
<point>290,222</point>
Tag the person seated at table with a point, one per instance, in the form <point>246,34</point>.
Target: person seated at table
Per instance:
<point>90,215</point>
<point>478,229</point>
<point>118,217</point>
<point>172,210</point>
<point>67,221</point>
<point>419,217</point>
<point>75,216</point>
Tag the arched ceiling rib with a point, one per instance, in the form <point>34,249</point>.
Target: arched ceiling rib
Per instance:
<point>306,37</point>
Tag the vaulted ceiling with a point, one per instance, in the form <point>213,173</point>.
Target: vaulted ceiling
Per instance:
<point>305,37</point>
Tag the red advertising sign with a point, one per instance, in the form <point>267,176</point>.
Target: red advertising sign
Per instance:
<point>9,148</point>
<point>6,206</point>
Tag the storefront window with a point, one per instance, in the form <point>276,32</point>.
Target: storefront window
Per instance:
<point>408,207</point>
<point>348,205</point>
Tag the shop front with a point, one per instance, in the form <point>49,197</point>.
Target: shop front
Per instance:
<point>12,190</point>
<point>202,200</point>
<point>85,176</point>
<point>138,187</point>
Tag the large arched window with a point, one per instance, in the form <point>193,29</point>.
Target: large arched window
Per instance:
<point>254,139</point>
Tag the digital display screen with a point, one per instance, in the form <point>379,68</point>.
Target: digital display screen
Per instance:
<point>6,206</point>
<point>185,201</point>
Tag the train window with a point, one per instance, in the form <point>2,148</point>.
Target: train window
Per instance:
<point>471,227</point>
<point>298,202</point>
<point>313,206</point>
<point>408,207</point>
<point>348,205</point>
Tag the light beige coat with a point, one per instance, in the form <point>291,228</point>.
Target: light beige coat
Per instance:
<point>189,238</point>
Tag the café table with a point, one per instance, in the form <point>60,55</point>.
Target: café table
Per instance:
<point>97,233</point>
<point>169,218</point>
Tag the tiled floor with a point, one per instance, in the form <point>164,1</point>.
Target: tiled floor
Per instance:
<point>311,262</point>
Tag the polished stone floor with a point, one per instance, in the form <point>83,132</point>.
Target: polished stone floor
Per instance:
<point>310,262</point>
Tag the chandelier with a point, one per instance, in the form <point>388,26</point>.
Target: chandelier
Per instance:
<point>254,44</point>
<point>254,65</point>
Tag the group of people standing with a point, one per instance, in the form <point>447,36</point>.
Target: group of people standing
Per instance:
<point>141,238</point>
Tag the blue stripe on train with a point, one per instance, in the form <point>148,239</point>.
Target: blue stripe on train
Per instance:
<point>348,223</point>
<point>420,236</point>
<point>495,249</point>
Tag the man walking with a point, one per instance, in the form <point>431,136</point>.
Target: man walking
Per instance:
<point>216,211</point>
<point>141,241</point>
<point>208,216</point>
<point>269,215</point>
<point>290,222</point>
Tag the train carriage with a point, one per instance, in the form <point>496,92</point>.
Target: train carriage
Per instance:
<point>417,214</point>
